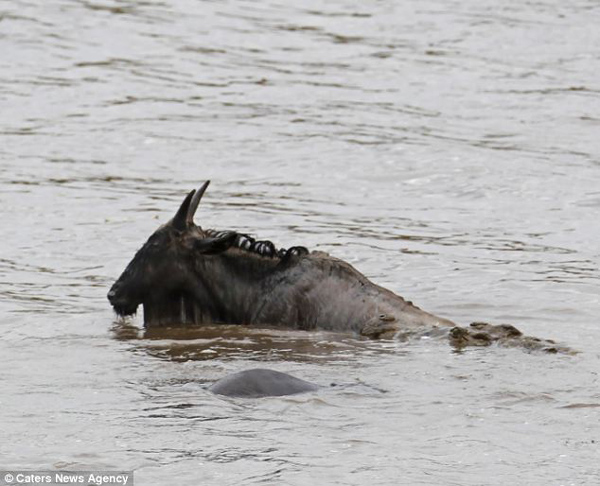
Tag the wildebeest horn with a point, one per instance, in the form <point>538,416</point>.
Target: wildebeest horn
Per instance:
<point>179,222</point>
<point>195,201</point>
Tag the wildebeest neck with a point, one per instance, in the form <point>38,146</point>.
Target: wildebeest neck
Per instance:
<point>226,289</point>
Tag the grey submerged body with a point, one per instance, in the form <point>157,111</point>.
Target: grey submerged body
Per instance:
<point>186,275</point>
<point>257,383</point>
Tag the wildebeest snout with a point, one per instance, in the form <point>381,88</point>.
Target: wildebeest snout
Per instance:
<point>121,303</point>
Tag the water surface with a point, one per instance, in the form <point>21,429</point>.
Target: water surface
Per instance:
<point>448,150</point>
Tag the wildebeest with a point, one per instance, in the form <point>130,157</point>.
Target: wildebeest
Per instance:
<point>187,275</point>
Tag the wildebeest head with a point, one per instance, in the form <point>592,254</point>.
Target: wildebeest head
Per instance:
<point>164,267</point>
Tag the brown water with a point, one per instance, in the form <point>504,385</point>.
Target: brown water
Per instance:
<point>449,150</point>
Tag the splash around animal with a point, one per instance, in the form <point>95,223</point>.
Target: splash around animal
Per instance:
<point>190,276</point>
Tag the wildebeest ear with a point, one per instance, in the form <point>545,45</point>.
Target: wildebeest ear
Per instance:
<point>194,203</point>
<point>212,246</point>
<point>179,222</point>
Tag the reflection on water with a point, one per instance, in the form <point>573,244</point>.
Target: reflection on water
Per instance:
<point>235,342</point>
<point>447,150</point>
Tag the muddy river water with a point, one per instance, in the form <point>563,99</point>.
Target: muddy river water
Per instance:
<point>448,150</point>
